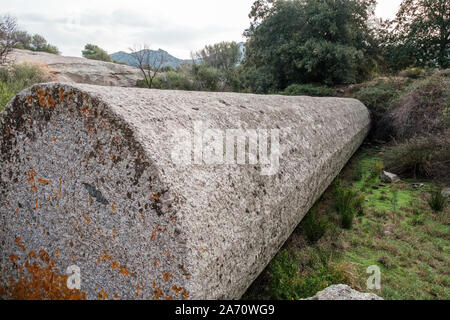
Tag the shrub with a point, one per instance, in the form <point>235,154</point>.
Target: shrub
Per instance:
<point>284,276</point>
<point>357,172</point>
<point>413,73</point>
<point>437,201</point>
<point>425,157</point>
<point>308,90</point>
<point>174,80</point>
<point>376,170</point>
<point>422,110</point>
<point>347,204</point>
<point>314,226</point>
<point>288,282</point>
<point>378,98</point>
<point>16,78</point>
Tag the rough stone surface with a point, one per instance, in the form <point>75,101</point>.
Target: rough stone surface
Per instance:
<point>79,70</point>
<point>343,292</point>
<point>388,177</point>
<point>446,192</point>
<point>87,179</point>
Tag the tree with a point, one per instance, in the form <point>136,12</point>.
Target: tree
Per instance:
<point>94,52</point>
<point>223,55</point>
<point>8,28</point>
<point>38,43</point>
<point>148,66</point>
<point>419,34</point>
<point>299,41</point>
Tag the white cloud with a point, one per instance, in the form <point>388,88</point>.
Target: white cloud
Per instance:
<point>178,26</point>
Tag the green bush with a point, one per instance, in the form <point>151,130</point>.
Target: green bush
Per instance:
<point>287,282</point>
<point>437,201</point>
<point>413,73</point>
<point>174,81</point>
<point>347,203</point>
<point>284,276</point>
<point>308,90</point>
<point>425,157</point>
<point>376,170</point>
<point>16,78</point>
<point>314,225</point>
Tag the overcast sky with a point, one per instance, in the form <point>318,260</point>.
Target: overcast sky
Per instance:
<point>177,26</point>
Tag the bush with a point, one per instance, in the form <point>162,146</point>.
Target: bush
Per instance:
<point>378,98</point>
<point>425,157</point>
<point>347,203</point>
<point>308,90</point>
<point>422,110</point>
<point>376,170</point>
<point>314,226</point>
<point>284,274</point>
<point>174,81</point>
<point>413,73</point>
<point>357,172</point>
<point>288,282</point>
<point>16,78</point>
<point>437,201</point>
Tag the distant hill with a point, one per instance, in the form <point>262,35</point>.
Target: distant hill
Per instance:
<point>169,60</point>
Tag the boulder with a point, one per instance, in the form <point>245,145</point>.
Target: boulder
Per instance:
<point>79,70</point>
<point>446,192</point>
<point>388,177</point>
<point>343,292</point>
<point>127,193</point>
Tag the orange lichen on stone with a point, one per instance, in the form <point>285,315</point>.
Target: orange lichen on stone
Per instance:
<point>185,294</point>
<point>124,271</point>
<point>106,256</point>
<point>156,230</point>
<point>43,181</point>
<point>29,100</point>
<point>115,265</point>
<point>116,296</point>
<point>39,282</point>
<point>103,295</point>
<point>45,98</point>
<point>87,219</point>
<point>137,289</point>
<point>156,262</point>
<point>158,293</point>
<point>18,242</point>
<point>176,289</point>
<point>7,131</point>
<point>167,276</point>
<point>31,174</point>
<point>13,258</point>
<point>61,95</point>
<point>113,208</point>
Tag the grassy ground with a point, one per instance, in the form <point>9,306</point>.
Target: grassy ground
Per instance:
<point>396,230</point>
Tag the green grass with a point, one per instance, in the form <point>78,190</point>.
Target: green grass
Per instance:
<point>398,231</point>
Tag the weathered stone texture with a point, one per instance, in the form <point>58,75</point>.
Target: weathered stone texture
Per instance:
<point>87,179</point>
<point>79,70</point>
<point>343,292</point>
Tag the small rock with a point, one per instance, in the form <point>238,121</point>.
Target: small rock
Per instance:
<point>343,292</point>
<point>418,185</point>
<point>367,200</point>
<point>446,192</point>
<point>342,91</point>
<point>388,177</point>
<point>388,233</point>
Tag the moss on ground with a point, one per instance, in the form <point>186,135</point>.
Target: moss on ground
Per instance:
<point>397,231</point>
